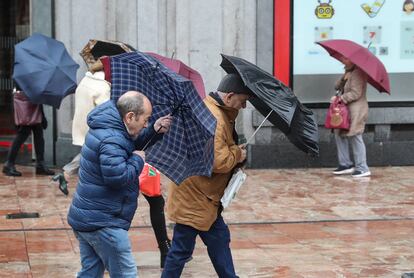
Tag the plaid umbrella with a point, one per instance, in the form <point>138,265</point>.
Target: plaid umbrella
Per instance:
<point>187,149</point>
<point>183,70</point>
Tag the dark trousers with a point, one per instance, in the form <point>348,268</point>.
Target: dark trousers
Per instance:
<point>23,133</point>
<point>158,218</point>
<point>217,240</point>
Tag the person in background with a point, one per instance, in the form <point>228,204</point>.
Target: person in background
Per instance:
<point>158,224</point>
<point>195,205</point>
<point>23,132</point>
<point>352,88</point>
<point>92,91</point>
<point>157,216</point>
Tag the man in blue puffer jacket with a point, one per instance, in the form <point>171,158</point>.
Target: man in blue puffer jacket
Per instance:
<point>106,196</point>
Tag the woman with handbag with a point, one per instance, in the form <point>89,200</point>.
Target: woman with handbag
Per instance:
<point>352,89</point>
<point>29,118</point>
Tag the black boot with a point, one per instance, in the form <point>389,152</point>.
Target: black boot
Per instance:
<point>41,169</point>
<point>63,184</point>
<point>164,247</point>
<point>10,170</point>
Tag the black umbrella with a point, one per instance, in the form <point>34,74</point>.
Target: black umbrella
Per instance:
<point>278,103</point>
<point>103,48</point>
<point>95,49</point>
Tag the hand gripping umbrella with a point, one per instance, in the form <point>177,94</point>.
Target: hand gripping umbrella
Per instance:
<point>187,149</point>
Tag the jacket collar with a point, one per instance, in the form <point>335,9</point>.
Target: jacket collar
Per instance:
<point>230,112</point>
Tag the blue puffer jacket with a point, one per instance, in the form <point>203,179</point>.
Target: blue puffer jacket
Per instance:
<point>107,192</point>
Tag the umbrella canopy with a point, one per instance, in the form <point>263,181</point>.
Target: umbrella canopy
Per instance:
<point>183,70</point>
<point>95,49</point>
<point>187,149</point>
<point>44,70</point>
<point>363,59</point>
<point>295,120</point>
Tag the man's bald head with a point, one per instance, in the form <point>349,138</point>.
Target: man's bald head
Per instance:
<point>135,110</point>
<point>132,101</point>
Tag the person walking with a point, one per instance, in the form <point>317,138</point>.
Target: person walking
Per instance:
<point>157,217</point>
<point>194,205</point>
<point>105,200</point>
<point>352,88</point>
<point>92,91</point>
<point>29,119</point>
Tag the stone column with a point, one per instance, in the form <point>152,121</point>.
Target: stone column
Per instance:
<point>41,19</point>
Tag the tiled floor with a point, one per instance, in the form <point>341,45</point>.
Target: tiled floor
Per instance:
<point>284,223</point>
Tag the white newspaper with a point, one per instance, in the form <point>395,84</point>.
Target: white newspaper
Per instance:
<point>236,181</point>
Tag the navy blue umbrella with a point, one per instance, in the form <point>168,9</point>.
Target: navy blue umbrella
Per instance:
<point>187,149</point>
<point>44,70</point>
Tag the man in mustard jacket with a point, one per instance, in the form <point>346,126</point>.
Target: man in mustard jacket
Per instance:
<point>194,205</point>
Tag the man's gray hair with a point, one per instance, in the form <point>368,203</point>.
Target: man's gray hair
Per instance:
<point>131,101</point>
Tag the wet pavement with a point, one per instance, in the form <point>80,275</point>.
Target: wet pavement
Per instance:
<point>284,223</point>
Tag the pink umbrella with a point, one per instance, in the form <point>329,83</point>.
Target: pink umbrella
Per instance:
<point>362,58</point>
<point>183,70</point>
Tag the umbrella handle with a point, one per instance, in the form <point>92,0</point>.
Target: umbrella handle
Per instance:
<point>257,129</point>
<point>152,137</point>
<point>175,110</point>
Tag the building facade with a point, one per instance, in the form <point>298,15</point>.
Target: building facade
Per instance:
<point>196,32</point>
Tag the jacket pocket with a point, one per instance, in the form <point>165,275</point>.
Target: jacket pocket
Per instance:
<point>123,204</point>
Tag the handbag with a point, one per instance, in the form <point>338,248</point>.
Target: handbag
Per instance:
<point>236,181</point>
<point>25,112</point>
<point>150,181</point>
<point>338,115</point>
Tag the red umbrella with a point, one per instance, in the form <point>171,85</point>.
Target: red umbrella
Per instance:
<point>362,58</point>
<point>183,70</point>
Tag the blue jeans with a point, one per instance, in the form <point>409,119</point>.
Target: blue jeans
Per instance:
<point>107,248</point>
<point>217,240</point>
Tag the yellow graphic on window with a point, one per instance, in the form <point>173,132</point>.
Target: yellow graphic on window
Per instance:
<point>373,10</point>
<point>324,10</point>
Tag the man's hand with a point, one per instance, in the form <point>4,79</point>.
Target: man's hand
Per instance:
<point>163,124</point>
<point>140,153</point>
<point>243,153</point>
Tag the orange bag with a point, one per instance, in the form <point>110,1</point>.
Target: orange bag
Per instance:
<point>150,181</point>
